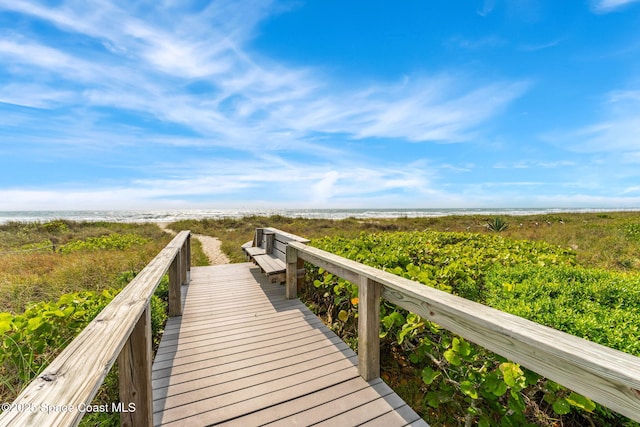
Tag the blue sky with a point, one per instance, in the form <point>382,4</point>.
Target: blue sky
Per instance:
<point>319,104</point>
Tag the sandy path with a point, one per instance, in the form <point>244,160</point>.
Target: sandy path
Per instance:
<point>210,246</point>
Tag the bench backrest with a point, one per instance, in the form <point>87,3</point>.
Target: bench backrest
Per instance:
<point>275,241</point>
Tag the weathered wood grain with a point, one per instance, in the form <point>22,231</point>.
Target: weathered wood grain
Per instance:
<point>175,287</point>
<point>254,251</point>
<point>134,374</point>
<point>369,293</point>
<point>270,264</point>
<point>609,377</point>
<point>291,285</point>
<point>287,237</point>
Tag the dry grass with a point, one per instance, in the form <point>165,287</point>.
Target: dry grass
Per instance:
<point>32,276</point>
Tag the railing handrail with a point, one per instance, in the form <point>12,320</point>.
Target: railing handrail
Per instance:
<point>121,331</point>
<point>607,376</point>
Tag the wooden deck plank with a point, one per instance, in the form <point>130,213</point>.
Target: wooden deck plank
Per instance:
<point>241,354</point>
<point>219,408</point>
<point>237,364</point>
<point>362,413</point>
<point>332,410</point>
<point>288,410</point>
<point>229,392</point>
<point>283,339</point>
<point>396,417</point>
<point>263,370</point>
<point>228,348</point>
<point>248,327</point>
<point>224,338</point>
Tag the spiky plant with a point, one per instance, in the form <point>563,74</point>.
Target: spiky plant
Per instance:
<point>497,224</point>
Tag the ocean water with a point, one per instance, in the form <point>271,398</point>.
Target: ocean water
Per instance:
<point>175,215</point>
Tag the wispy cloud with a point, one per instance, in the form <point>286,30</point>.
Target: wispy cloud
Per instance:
<point>540,46</point>
<point>618,131</point>
<point>606,6</point>
<point>249,97</point>
<point>631,190</point>
<point>198,183</point>
<point>528,164</point>
<point>487,42</point>
<point>177,74</point>
<point>487,7</point>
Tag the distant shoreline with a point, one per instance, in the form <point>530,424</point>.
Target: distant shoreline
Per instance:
<point>168,216</point>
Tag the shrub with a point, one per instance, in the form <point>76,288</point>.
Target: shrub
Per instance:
<point>454,381</point>
<point>497,224</point>
<point>112,241</point>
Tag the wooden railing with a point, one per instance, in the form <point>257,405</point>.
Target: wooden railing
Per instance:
<point>63,393</point>
<point>607,376</point>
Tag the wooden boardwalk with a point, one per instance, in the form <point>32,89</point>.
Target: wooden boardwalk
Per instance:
<point>241,354</point>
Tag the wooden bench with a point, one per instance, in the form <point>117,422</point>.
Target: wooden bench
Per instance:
<point>268,250</point>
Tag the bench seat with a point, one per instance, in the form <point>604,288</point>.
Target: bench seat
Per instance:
<point>270,264</point>
<point>268,250</point>
<point>255,251</point>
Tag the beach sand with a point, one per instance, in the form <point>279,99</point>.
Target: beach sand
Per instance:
<point>210,246</point>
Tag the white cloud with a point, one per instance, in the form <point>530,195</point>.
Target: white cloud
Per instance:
<point>34,95</point>
<point>606,6</point>
<point>222,181</point>
<point>324,190</point>
<point>33,53</point>
<point>529,164</point>
<point>147,65</point>
<point>487,7</point>
<point>419,109</point>
<point>617,132</point>
<point>196,71</point>
<point>634,189</point>
<point>540,46</point>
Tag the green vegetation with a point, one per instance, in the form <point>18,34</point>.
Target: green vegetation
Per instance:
<point>30,337</point>
<point>575,272</point>
<point>598,240</point>
<point>198,257</point>
<point>590,261</point>
<point>451,381</point>
<point>71,260</point>
<point>497,224</point>
<point>112,241</point>
<point>50,291</point>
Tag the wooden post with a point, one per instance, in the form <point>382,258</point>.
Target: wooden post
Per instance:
<point>183,264</point>
<point>188,246</point>
<point>301,273</point>
<point>291,288</point>
<point>175,288</point>
<point>270,237</point>
<point>134,370</point>
<point>369,293</point>
<point>257,238</point>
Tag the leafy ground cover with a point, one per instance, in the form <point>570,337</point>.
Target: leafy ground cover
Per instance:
<point>453,382</point>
